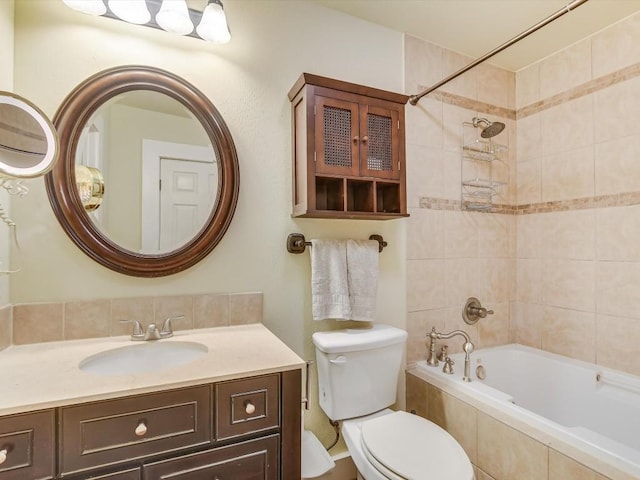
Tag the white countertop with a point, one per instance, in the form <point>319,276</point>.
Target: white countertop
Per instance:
<point>45,375</point>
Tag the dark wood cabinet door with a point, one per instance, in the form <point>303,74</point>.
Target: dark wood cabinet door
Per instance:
<point>27,446</point>
<point>337,136</point>
<point>380,144</point>
<point>251,460</point>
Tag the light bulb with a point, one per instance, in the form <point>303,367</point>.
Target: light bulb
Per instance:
<point>132,11</point>
<point>92,7</point>
<point>213,26</point>
<point>174,17</point>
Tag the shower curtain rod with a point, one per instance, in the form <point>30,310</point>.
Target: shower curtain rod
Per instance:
<point>413,100</point>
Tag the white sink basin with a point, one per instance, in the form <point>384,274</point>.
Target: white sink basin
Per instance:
<point>143,357</point>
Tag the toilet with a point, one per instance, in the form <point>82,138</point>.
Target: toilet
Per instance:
<point>357,378</point>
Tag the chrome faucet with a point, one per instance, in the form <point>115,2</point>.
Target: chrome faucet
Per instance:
<point>152,332</point>
<point>468,347</point>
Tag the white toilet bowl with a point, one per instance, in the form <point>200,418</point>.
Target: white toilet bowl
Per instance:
<point>392,445</point>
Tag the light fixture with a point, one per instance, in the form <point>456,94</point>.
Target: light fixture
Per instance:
<point>132,11</point>
<point>171,15</point>
<point>174,17</point>
<point>92,7</point>
<point>213,26</point>
<point>90,184</point>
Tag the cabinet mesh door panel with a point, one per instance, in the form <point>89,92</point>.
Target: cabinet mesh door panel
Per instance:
<point>379,148</point>
<point>337,137</point>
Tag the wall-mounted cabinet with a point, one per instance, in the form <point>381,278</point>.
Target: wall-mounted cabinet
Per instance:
<point>348,150</point>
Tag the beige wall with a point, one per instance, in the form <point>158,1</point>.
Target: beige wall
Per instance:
<point>6,84</point>
<point>247,80</point>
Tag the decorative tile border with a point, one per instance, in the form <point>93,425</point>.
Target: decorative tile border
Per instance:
<point>601,201</point>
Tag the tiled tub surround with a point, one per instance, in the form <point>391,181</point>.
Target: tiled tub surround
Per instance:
<point>510,426</point>
<point>558,260</point>
<point>47,322</point>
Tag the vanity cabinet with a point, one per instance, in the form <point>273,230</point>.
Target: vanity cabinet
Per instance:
<point>240,429</point>
<point>348,150</point>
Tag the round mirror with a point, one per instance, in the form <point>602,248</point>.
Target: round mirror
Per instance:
<point>148,179</point>
<point>28,141</point>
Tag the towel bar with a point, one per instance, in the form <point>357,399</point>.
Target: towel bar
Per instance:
<point>296,243</point>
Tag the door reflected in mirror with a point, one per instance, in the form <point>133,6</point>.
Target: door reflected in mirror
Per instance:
<point>159,168</point>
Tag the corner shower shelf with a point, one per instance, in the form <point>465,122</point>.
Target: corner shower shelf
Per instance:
<point>478,187</point>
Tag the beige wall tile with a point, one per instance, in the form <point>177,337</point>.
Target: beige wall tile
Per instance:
<point>461,280</point>
<point>425,284</point>
<point>417,398</point>
<point>422,172</point>
<point>452,174</point>
<point>569,126</point>
<point>616,111</point>
<point>528,320</point>
<point>418,325</point>
<point>423,64</point>
<point>529,280</point>
<point>465,85</point>
<point>617,345</point>
<point>140,309</point>
<point>452,119</point>
<point>568,175</point>
<point>424,123</point>
<point>569,284</point>
<point>528,85</point>
<point>87,319</point>
<point>506,454</point>
<point>493,330</point>
<point>494,279</point>
<point>566,69</point>
<point>616,47</point>
<point>210,310</point>
<point>529,236</point>
<point>460,235</point>
<point>35,323</point>
<point>616,165</point>
<point>456,417</point>
<point>496,86</point>
<point>425,234</point>
<point>570,333</point>
<point>174,306</point>
<point>6,326</point>
<point>569,235</point>
<point>493,235</point>
<point>480,475</point>
<point>618,291</point>
<point>245,308</point>
<point>617,233</point>
<point>529,137</point>
<point>562,467</point>
<point>529,182</point>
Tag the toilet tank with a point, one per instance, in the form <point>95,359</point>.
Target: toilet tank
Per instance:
<point>358,369</point>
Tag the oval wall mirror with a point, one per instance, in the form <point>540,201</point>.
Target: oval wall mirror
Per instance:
<point>28,141</point>
<point>148,177</point>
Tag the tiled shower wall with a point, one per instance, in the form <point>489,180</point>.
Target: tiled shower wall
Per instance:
<point>561,266</point>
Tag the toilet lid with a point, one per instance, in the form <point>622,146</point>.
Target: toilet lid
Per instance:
<point>406,446</point>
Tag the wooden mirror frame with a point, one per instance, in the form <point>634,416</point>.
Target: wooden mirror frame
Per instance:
<point>60,182</point>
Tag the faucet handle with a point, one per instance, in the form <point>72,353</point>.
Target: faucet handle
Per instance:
<point>167,328</point>
<point>137,329</point>
<point>443,353</point>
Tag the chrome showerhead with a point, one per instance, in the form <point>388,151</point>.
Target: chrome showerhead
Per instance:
<point>491,129</point>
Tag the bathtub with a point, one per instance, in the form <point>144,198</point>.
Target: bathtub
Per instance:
<point>590,413</point>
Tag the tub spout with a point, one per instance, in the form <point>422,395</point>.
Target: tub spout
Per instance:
<point>468,347</point>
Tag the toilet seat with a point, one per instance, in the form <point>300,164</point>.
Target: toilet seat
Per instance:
<point>404,446</point>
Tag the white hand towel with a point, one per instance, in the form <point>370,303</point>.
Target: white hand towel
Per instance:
<point>362,274</point>
<point>329,284</point>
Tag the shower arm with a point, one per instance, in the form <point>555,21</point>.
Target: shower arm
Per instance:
<point>413,100</point>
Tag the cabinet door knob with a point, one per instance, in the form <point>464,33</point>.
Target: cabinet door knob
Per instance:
<point>355,139</point>
<point>141,429</point>
<point>365,139</point>
<point>3,455</point>
<point>249,408</point>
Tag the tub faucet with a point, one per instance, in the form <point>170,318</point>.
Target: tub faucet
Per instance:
<point>468,347</point>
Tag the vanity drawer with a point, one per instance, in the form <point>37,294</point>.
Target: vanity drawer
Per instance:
<point>252,460</point>
<point>27,446</point>
<point>130,474</point>
<point>247,406</point>
<point>106,433</point>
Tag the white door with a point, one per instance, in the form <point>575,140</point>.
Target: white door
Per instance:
<point>179,189</point>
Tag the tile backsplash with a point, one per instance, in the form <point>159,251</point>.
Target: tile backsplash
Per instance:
<point>72,320</point>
